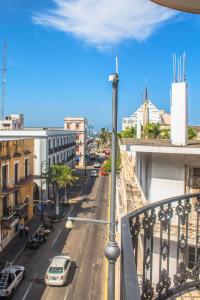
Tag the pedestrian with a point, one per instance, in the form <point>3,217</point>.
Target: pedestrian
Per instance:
<point>21,229</point>
<point>26,231</point>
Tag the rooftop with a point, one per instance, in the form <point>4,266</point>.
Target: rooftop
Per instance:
<point>159,146</point>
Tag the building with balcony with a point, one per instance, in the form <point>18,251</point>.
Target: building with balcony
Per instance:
<point>16,179</point>
<point>12,122</point>
<point>51,146</point>
<point>79,125</point>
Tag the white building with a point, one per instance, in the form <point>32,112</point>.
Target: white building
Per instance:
<point>50,146</point>
<point>154,115</point>
<point>12,122</point>
<point>79,125</point>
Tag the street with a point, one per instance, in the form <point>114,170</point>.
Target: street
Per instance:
<point>84,244</point>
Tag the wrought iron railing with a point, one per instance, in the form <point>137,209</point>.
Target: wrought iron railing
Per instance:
<point>160,247</point>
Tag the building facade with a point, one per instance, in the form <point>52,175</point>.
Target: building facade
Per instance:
<point>12,122</point>
<point>154,115</point>
<point>51,146</point>
<point>79,125</point>
<point>16,178</point>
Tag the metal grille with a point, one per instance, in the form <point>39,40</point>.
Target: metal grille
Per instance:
<point>161,249</point>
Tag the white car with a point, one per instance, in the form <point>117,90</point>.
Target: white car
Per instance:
<point>93,173</point>
<point>10,278</point>
<point>58,270</point>
<point>97,164</point>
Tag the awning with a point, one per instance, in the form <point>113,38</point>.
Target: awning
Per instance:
<point>192,6</point>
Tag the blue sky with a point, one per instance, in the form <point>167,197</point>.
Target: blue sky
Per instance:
<point>61,52</point>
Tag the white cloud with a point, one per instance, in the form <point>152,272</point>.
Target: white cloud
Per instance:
<point>105,22</point>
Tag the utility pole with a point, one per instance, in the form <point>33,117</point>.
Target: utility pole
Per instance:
<point>112,250</point>
<point>4,69</point>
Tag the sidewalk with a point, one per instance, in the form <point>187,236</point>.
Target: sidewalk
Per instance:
<point>16,246</point>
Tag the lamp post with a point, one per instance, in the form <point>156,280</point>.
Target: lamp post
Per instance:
<point>43,163</point>
<point>112,250</point>
<point>192,6</point>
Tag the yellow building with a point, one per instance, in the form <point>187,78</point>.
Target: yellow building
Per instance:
<point>16,186</point>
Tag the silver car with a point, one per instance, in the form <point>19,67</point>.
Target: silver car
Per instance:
<point>58,270</point>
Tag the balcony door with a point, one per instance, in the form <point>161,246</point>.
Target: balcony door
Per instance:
<point>192,179</point>
<point>16,172</point>
<point>5,206</point>
<point>4,176</point>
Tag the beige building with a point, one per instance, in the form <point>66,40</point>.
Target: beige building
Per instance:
<point>16,183</point>
<point>12,122</point>
<point>79,125</point>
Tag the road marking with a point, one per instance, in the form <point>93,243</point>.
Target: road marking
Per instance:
<point>57,235</point>
<point>29,287</point>
<point>69,212</point>
<point>66,293</point>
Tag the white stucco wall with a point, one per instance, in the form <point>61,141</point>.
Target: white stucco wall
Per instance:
<point>179,113</point>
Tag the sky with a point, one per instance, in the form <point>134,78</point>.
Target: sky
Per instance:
<point>61,52</point>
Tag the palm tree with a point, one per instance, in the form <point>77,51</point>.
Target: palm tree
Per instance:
<point>60,175</point>
<point>165,133</point>
<point>152,130</point>
<point>192,134</point>
<point>128,133</point>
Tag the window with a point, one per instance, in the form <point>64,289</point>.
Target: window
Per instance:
<point>77,137</point>
<point>26,168</point>
<point>5,205</point>
<point>68,126</point>
<point>4,176</point>
<point>54,160</point>
<point>16,198</point>
<point>77,126</point>
<point>49,144</point>
<point>16,173</point>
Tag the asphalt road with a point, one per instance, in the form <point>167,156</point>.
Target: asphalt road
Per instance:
<point>84,243</point>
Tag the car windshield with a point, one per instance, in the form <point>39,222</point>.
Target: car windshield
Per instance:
<point>56,270</point>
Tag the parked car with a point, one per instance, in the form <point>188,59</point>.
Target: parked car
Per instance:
<point>58,270</point>
<point>93,173</point>
<point>97,164</point>
<point>10,278</point>
<point>102,172</point>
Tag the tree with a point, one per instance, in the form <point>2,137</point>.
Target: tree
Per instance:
<point>60,175</point>
<point>152,130</point>
<point>127,133</point>
<point>107,166</point>
<point>105,136</point>
<point>192,133</point>
<point>165,133</point>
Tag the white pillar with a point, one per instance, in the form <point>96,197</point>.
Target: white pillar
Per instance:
<point>179,114</point>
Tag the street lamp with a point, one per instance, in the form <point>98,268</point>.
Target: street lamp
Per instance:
<point>43,163</point>
<point>112,250</point>
<point>192,6</point>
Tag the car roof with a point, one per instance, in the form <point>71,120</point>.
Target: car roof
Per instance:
<point>59,261</point>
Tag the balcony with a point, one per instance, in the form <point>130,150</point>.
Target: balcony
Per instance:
<point>24,181</point>
<point>21,209</point>
<point>8,213</point>
<point>160,245</point>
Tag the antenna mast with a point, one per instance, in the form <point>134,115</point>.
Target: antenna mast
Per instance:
<point>3,96</point>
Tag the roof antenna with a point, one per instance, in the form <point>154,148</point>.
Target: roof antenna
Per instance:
<point>117,65</point>
<point>184,66</point>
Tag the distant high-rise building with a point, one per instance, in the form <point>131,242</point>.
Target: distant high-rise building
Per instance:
<point>147,112</point>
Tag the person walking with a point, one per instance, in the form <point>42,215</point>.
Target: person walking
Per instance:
<point>26,231</point>
<point>21,229</point>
